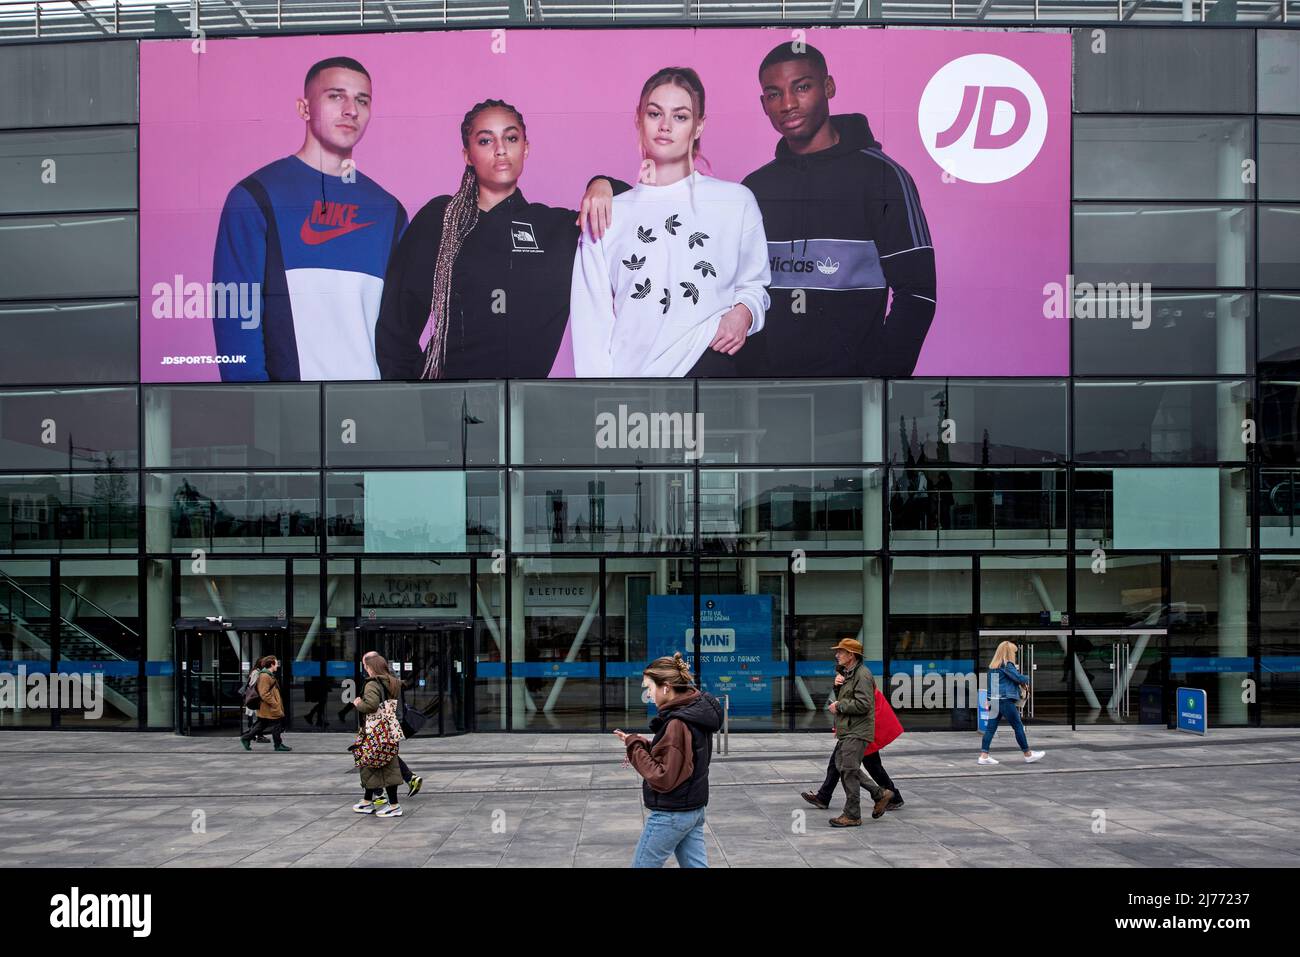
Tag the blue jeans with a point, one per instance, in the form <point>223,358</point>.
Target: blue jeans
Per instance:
<point>1006,709</point>
<point>672,832</point>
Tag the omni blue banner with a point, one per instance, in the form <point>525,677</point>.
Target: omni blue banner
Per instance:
<point>735,645</point>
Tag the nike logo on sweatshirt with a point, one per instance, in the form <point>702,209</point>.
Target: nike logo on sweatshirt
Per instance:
<point>340,216</point>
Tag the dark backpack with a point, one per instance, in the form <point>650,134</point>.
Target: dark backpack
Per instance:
<point>252,700</point>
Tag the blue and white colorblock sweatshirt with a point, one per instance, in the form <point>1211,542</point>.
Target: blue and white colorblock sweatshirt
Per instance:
<point>319,247</point>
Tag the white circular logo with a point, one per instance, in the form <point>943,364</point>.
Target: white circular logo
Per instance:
<point>983,118</point>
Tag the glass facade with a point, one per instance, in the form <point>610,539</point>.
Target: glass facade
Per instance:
<point>1132,525</point>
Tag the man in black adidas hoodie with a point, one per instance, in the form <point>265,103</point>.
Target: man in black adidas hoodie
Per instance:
<point>844,228</point>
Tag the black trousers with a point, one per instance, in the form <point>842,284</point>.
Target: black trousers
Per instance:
<point>406,772</point>
<point>271,726</point>
<point>713,365</point>
<point>874,768</point>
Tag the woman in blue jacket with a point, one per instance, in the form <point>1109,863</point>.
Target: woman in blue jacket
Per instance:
<point>1005,682</point>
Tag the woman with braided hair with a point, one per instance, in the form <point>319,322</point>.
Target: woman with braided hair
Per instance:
<point>675,765</point>
<point>479,285</point>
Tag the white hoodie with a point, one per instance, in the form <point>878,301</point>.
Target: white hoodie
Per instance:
<point>648,296</point>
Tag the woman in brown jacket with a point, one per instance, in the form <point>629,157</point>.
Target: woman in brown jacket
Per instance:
<point>270,712</point>
<point>381,685</point>
<point>674,765</point>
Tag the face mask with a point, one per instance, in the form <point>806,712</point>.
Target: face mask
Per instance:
<point>647,696</point>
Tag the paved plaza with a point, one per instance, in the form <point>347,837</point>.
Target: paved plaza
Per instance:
<point>1113,798</point>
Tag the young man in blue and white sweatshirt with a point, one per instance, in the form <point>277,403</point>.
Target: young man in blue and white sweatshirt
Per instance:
<point>315,234</point>
<point>844,229</point>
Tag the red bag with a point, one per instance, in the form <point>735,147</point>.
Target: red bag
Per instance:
<point>888,727</point>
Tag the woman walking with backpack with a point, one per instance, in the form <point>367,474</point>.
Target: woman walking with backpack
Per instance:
<point>675,765</point>
<point>270,706</point>
<point>1005,682</point>
<point>378,704</point>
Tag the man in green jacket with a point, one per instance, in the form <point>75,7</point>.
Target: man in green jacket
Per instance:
<point>854,709</point>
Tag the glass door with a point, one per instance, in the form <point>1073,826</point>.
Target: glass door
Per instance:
<point>430,658</point>
<point>1043,657</point>
<point>1122,676</point>
<point>213,659</point>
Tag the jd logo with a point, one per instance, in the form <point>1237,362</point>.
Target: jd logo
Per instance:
<point>982,118</point>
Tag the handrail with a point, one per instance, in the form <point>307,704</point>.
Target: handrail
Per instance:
<point>4,576</point>
<point>197,19</point>
<point>107,613</point>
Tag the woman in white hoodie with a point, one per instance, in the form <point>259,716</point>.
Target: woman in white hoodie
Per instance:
<point>678,282</point>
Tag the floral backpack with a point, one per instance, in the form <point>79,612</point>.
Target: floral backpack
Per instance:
<point>377,742</point>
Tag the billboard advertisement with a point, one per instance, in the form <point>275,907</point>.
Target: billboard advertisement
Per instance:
<point>603,203</point>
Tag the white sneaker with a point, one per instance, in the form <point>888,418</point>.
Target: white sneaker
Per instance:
<point>391,810</point>
<point>1034,756</point>
<point>987,759</point>
<point>364,807</point>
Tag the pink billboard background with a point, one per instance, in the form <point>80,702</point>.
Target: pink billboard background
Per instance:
<point>209,119</point>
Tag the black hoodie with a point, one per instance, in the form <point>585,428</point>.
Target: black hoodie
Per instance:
<point>702,715</point>
<point>844,228</point>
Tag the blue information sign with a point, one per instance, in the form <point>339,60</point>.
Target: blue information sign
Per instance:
<point>735,645</point>
<point>1193,710</point>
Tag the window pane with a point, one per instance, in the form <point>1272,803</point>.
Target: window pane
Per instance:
<point>69,513</point>
<point>232,426</point>
<point>1203,333</point>
<point>977,508</point>
<point>1279,639</point>
<point>585,423</point>
<point>1280,422</point>
<point>988,424</point>
<point>784,423</point>
<point>68,84</point>
<point>636,589</point>
<point>1279,71</point>
<point>1127,595</point>
<point>1167,246</point>
<point>1279,158</point>
<point>73,342</point>
<point>559,670</point>
<point>1279,334</point>
<point>67,257</point>
<point>762,509</point>
<point>835,598</point>
<point>74,429</point>
<point>1160,157</point>
<point>621,511</point>
<point>242,588</point>
<point>1160,421</point>
<point>1022,592</point>
<point>101,636</point>
<point>1279,507</point>
<point>1165,70</point>
<point>24,631</point>
<point>1209,601</point>
<point>1279,246</point>
<point>56,170</point>
<point>414,424</point>
<point>1136,508</point>
<point>407,511</point>
<point>930,632</point>
<point>233,511</point>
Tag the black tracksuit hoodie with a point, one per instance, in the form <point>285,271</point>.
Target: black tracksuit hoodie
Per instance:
<point>844,226</point>
<point>509,293</point>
